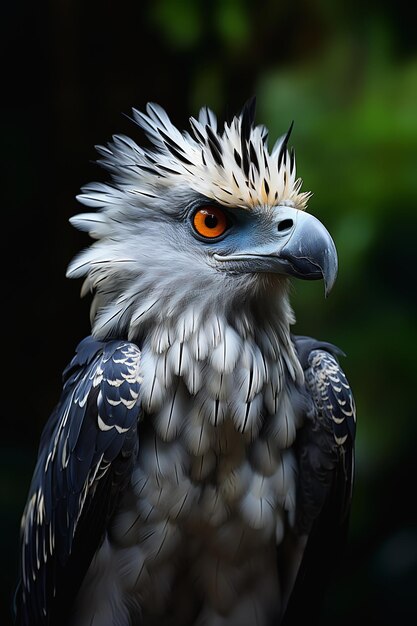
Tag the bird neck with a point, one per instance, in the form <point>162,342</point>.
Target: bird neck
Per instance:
<point>232,362</point>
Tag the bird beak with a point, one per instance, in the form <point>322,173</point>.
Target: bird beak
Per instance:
<point>310,252</point>
<point>299,245</point>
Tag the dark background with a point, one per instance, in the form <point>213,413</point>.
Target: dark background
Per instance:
<point>72,70</point>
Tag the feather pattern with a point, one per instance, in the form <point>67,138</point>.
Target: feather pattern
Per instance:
<point>231,165</point>
<point>324,451</point>
<point>91,439</point>
<point>332,394</point>
<point>246,431</point>
<point>331,432</point>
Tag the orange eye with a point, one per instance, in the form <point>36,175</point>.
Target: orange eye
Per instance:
<point>210,222</point>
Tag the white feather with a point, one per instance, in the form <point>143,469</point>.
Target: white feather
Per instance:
<point>139,315</point>
<point>193,377</point>
<point>233,486</point>
<point>247,415</point>
<point>198,432</point>
<point>225,355</point>
<point>96,224</point>
<point>283,424</point>
<point>217,386</point>
<point>161,338</point>
<point>199,344</point>
<point>186,499</point>
<point>187,323</point>
<point>264,456</point>
<point>179,358</point>
<point>213,328</point>
<point>284,480</point>
<point>258,513</point>
<point>170,419</point>
<point>157,378</point>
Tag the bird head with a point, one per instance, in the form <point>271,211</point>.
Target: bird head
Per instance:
<point>203,219</point>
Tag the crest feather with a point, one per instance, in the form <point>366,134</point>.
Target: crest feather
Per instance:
<point>231,164</point>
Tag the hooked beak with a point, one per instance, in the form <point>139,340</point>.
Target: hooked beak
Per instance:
<point>310,251</point>
<point>301,246</point>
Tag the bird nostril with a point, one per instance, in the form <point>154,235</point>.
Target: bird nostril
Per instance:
<point>285,225</point>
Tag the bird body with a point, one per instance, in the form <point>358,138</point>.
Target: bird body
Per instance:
<point>183,476</point>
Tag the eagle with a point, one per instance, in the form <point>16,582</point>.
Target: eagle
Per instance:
<point>198,467</point>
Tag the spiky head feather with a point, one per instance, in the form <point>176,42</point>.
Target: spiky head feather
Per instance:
<point>231,165</point>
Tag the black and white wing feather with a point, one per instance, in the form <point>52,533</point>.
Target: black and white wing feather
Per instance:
<point>86,455</point>
<point>325,451</point>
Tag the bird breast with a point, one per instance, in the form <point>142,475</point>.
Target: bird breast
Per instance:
<point>215,480</point>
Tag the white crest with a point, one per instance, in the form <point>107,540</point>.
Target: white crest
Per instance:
<point>231,165</point>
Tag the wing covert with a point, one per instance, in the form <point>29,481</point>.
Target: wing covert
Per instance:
<point>325,453</point>
<point>332,394</point>
<point>85,457</point>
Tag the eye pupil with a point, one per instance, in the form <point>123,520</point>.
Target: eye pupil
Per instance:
<point>211,221</point>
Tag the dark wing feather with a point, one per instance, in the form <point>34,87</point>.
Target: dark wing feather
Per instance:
<point>85,457</point>
<point>325,451</point>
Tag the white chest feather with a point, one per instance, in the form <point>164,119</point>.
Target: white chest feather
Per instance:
<point>215,479</point>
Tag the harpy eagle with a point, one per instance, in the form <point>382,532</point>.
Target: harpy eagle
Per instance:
<point>197,469</point>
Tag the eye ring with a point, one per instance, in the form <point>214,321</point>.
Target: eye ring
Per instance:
<point>210,222</point>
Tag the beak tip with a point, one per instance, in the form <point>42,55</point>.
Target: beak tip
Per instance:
<point>330,271</point>
<point>327,290</point>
